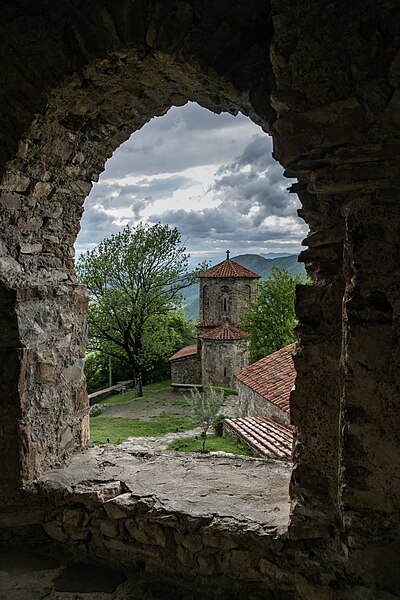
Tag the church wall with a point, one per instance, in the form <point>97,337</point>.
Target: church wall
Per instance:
<point>186,370</point>
<point>252,404</point>
<point>225,299</point>
<point>221,360</point>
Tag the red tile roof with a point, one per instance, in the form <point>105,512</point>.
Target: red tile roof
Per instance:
<point>224,332</point>
<point>264,435</point>
<point>184,352</point>
<point>229,268</point>
<point>272,377</point>
<point>204,323</point>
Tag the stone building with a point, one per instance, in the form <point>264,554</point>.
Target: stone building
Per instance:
<point>264,387</point>
<point>264,390</point>
<point>323,79</point>
<point>222,348</point>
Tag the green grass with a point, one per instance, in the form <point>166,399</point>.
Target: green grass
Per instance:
<point>214,443</point>
<point>115,430</point>
<point>219,388</point>
<point>149,392</point>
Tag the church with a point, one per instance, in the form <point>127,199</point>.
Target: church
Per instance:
<point>222,345</point>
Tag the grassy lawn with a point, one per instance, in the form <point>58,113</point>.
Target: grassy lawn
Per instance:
<point>150,392</point>
<point>114,430</point>
<point>158,412</point>
<point>214,443</point>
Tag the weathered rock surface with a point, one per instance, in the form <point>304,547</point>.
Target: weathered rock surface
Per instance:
<point>245,489</point>
<point>324,80</point>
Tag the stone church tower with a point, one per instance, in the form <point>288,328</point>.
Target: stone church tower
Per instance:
<point>222,348</point>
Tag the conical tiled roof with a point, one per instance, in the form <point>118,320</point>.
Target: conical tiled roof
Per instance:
<point>225,332</point>
<point>229,268</point>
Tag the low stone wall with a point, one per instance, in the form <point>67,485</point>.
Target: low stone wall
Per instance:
<point>252,404</point>
<point>181,554</point>
<point>212,557</point>
<point>138,533</point>
<point>110,391</point>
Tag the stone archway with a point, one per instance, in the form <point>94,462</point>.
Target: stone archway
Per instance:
<point>78,79</point>
<point>107,76</point>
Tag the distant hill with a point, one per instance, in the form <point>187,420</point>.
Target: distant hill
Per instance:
<point>259,264</point>
<point>275,254</point>
<point>263,266</point>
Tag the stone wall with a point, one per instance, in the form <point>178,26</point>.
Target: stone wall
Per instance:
<point>342,148</point>
<point>70,99</point>
<point>235,292</point>
<point>324,80</point>
<point>221,360</point>
<point>252,404</point>
<point>208,557</point>
<point>186,370</point>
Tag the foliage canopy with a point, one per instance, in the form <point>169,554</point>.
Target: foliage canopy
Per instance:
<point>134,279</point>
<point>271,317</point>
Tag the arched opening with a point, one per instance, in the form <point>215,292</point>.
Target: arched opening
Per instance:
<point>225,300</point>
<point>64,149</point>
<point>213,177</point>
<point>76,84</point>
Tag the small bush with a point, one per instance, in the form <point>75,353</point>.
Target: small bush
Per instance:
<point>218,425</point>
<point>204,407</point>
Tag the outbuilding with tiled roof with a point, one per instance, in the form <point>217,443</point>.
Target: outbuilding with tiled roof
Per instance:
<point>264,387</point>
<point>186,367</point>
<point>184,352</point>
<point>264,435</point>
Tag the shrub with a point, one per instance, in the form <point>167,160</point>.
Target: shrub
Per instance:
<point>218,425</point>
<point>204,407</point>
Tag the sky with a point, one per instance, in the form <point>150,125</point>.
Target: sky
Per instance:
<point>211,176</point>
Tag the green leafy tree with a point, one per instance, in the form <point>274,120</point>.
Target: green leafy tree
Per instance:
<point>271,318</point>
<point>96,371</point>
<point>134,279</point>
<point>173,332</point>
<point>204,407</point>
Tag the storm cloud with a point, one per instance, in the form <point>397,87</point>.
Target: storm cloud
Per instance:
<point>211,176</point>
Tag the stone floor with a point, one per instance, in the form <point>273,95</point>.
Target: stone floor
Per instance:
<point>34,574</point>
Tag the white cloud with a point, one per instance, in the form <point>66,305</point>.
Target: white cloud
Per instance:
<point>210,175</point>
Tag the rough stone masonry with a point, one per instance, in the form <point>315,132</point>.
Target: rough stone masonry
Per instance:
<point>323,79</point>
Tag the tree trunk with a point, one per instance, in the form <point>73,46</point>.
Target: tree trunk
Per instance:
<point>138,382</point>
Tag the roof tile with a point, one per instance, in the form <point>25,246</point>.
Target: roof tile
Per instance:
<point>184,353</point>
<point>265,435</point>
<point>272,377</point>
<point>224,332</point>
<point>229,268</point>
